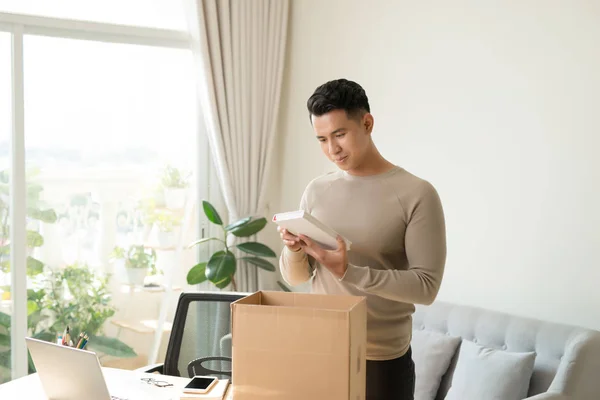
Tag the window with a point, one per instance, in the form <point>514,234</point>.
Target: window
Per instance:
<point>166,14</point>
<point>111,152</point>
<point>5,134</point>
<point>97,106</point>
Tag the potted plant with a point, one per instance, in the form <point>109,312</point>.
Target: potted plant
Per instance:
<point>137,261</point>
<point>222,265</point>
<point>166,221</point>
<point>74,296</point>
<point>167,224</point>
<point>37,212</point>
<point>174,183</point>
<point>85,308</point>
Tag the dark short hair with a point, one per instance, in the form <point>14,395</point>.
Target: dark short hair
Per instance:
<point>339,94</point>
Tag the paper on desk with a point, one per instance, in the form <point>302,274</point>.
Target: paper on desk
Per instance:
<point>217,392</point>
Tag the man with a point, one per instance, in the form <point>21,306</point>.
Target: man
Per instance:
<point>395,222</point>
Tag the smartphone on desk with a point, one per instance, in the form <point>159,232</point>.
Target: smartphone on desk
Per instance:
<point>200,384</point>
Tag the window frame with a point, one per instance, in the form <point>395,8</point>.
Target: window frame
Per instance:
<point>19,25</point>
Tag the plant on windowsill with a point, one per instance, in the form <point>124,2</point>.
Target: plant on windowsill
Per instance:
<point>138,261</point>
<point>167,224</point>
<point>174,183</point>
<point>78,296</point>
<point>44,302</point>
<point>37,212</point>
<point>221,267</point>
<point>75,296</point>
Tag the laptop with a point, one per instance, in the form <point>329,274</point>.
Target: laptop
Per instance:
<point>67,373</point>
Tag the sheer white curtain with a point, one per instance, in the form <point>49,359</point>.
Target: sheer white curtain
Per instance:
<point>239,47</point>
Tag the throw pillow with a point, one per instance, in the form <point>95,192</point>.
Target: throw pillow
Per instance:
<point>485,373</point>
<point>432,353</point>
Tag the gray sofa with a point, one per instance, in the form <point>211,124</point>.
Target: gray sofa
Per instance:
<point>567,358</point>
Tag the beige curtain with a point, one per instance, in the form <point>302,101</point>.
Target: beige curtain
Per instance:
<point>239,48</point>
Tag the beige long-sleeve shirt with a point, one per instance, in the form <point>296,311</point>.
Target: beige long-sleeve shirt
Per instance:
<point>396,224</point>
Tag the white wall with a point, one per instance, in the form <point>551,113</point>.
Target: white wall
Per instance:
<point>499,107</point>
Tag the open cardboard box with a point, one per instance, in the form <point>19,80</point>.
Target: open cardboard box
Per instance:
<point>299,346</point>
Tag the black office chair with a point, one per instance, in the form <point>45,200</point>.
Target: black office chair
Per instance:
<point>200,341</point>
<point>196,367</point>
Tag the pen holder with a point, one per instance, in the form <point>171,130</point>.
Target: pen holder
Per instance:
<point>66,340</point>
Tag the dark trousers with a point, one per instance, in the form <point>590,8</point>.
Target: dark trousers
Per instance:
<point>391,379</point>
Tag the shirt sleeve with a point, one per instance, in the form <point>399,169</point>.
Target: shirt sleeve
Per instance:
<point>296,267</point>
<point>425,246</point>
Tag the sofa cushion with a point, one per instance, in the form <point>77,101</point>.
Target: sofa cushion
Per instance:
<point>432,353</point>
<point>485,373</point>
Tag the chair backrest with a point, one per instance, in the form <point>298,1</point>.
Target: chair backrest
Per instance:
<point>201,329</point>
<point>197,367</point>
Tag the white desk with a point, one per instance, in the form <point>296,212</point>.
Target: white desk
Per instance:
<point>123,383</point>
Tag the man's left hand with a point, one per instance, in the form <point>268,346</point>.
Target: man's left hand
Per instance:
<point>335,261</point>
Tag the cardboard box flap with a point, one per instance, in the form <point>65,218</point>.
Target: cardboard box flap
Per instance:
<point>254,298</point>
<point>303,300</point>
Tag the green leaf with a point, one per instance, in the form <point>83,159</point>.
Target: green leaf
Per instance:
<point>31,307</point>
<point>30,364</point>
<point>4,340</point>
<point>34,239</point>
<point>49,216</point>
<point>35,295</point>
<point>222,284</point>
<point>238,223</point>
<point>46,336</point>
<point>5,359</point>
<point>197,242</point>
<point>250,228</point>
<point>260,263</point>
<point>34,189</point>
<point>211,213</point>
<point>283,287</point>
<point>4,320</point>
<point>5,266</point>
<point>34,267</point>
<point>35,318</point>
<point>257,249</point>
<point>110,346</point>
<point>221,265</point>
<point>197,274</point>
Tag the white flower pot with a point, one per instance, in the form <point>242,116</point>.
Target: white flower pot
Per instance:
<point>174,198</point>
<point>136,276</point>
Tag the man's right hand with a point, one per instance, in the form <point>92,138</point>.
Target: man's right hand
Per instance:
<point>290,240</point>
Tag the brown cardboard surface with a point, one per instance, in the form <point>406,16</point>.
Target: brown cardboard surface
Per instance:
<point>254,298</point>
<point>308,300</point>
<point>299,346</point>
<point>358,353</point>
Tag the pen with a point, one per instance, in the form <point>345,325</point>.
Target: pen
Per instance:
<point>85,341</point>
<point>80,340</point>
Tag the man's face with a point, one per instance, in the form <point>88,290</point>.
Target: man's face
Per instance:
<point>345,141</point>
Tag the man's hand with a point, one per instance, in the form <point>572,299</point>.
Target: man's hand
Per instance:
<point>290,240</point>
<point>335,261</point>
